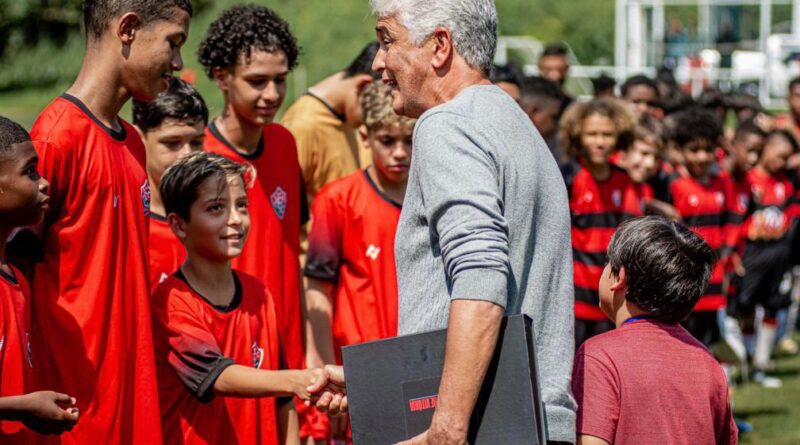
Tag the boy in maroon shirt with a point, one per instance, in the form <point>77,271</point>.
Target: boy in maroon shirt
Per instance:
<point>657,271</point>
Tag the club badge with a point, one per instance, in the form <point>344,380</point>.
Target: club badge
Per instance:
<point>145,189</point>
<point>278,200</point>
<point>258,355</point>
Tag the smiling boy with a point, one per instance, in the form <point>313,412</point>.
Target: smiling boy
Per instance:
<point>92,292</point>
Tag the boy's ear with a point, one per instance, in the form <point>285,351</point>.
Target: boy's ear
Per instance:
<point>362,80</point>
<point>178,226</point>
<point>620,280</point>
<point>127,26</point>
<point>221,77</point>
<point>364,133</point>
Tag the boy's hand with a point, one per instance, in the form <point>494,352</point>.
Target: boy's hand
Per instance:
<point>329,391</point>
<point>48,412</point>
<point>306,378</point>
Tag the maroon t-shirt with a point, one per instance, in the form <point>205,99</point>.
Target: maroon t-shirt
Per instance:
<point>648,382</point>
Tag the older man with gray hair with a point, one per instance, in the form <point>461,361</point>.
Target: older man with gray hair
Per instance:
<point>485,226</point>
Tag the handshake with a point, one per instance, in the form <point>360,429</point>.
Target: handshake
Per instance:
<point>327,392</point>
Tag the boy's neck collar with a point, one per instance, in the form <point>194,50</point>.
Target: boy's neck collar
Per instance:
<point>245,139</point>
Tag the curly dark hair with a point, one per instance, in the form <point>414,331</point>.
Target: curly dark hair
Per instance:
<point>696,123</point>
<point>241,29</point>
<point>667,265</point>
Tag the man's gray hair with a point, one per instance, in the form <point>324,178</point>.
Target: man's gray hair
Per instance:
<point>472,24</point>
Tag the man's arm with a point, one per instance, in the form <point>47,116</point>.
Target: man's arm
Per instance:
<point>472,333</point>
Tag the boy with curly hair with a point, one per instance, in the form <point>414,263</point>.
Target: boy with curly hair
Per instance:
<point>248,52</point>
<point>703,197</point>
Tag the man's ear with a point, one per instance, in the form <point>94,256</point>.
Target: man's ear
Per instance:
<point>127,27</point>
<point>178,226</point>
<point>620,281</point>
<point>442,47</point>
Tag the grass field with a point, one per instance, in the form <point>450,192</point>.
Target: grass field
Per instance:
<point>774,413</point>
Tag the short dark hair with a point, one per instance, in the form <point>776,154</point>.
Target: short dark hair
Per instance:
<point>603,82</point>
<point>362,64</point>
<point>667,266</point>
<point>97,13</point>
<point>748,127</point>
<point>639,80</point>
<point>793,83</point>
<point>182,180</point>
<point>786,134</point>
<point>11,133</point>
<point>676,101</point>
<point>179,102</point>
<point>240,30</point>
<point>508,73</point>
<point>536,89</point>
<point>555,49</point>
<point>713,98</point>
<point>696,123</point>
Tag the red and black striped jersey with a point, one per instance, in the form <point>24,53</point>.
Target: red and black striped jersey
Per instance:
<point>709,210</point>
<point>597,208</point>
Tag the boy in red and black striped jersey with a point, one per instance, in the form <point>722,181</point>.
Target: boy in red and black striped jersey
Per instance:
<point>171,126</point>
<point>601,197</point>
<point>23,202</point>
<point>215,328</point>
<point>768,233</point>
<point>703,196</point>
<point>352,282</point>
<point>92,287</point>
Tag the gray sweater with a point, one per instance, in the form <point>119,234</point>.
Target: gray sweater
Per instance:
<point>486,217</point>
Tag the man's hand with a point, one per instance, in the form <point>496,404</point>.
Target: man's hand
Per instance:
<point>329,391</point>
<point>48,412</point>
<point>437,436</point>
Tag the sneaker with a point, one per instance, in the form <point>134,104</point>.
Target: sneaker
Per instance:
<point>766,381</point>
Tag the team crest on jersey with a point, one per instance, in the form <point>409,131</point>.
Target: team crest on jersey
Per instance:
<point>720,198</point>
<point>588,196</point>
<point>278,200</point>
<point>373,252</point>
<point>146,197</point>
<point>162,278</point>
<point>28,348</point>
<point>616,197</point>
<point>780,191</point>
<point>694,201</point>
<point>2,342</point>
<point>258,355</point>
<point>743,201</point>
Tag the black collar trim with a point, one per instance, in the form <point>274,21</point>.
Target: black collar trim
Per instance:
<point>380,193</point>
<point>117,135</point>
<point>158,217</point>
<point>339,116</point>
<point>232,306</point>
<point>214,130</point>
<point>10,277</point>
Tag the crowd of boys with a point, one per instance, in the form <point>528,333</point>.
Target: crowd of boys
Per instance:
<point>172,298</point>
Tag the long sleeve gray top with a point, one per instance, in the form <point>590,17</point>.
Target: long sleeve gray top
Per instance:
<point>486,217</point>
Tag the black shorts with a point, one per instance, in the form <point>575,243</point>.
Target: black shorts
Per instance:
<point>765,264</point>
<point>586,329</point>
<point>703,326</point>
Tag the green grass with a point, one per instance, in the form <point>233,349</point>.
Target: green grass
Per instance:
<point>774,413</point>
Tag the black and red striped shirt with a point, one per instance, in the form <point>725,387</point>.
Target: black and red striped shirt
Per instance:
<point>597,208</point>
<point>709,210</point>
